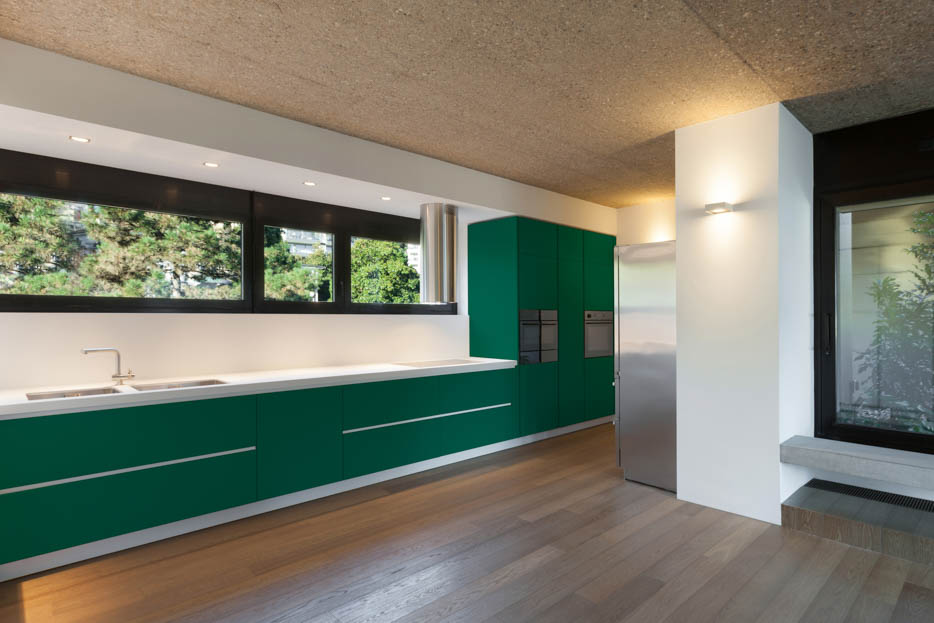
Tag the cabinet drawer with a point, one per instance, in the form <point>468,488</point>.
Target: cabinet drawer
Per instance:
<point>370,451</point>
<point>298,442</point>
<point>371,404</point>
<point>458,392</point>
<point>59,516</point>
<point>42,449</point>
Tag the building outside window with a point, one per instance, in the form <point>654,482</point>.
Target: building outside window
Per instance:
<point>298,265</point>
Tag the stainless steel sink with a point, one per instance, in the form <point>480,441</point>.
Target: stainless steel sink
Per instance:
<point>72,393</point>
<point>145,387</point>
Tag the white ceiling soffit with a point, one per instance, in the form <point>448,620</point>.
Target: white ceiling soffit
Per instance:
<point>47,135</point>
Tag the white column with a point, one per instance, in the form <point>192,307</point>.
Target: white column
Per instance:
<point>744,307</point>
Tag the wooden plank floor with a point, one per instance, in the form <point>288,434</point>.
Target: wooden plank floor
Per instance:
<point>546,533</point>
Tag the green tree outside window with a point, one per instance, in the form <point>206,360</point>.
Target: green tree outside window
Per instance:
<point>380,272</point>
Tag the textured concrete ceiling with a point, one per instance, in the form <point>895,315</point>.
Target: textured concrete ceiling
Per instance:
<point>580,97</point>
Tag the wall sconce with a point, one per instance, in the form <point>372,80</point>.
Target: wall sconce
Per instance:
<point>718,208</point>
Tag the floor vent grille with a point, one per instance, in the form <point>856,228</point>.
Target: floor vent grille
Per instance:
<point>872,494</point>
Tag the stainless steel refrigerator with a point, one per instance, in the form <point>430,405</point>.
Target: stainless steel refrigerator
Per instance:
<point>645,363</point>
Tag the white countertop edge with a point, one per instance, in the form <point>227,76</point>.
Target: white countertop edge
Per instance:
<point>239,384</point>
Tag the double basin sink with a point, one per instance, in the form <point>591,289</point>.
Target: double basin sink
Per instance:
<point>146,387</point>
<point>99,391</point>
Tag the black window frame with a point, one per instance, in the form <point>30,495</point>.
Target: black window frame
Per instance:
<point>68,180</point>
<point>880,161</point>
<point>344,224</point>
<point>276,211</point>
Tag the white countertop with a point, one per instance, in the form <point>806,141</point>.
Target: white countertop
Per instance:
<point>14,404</point>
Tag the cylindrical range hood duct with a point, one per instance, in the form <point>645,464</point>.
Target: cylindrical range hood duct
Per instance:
<point>438,252</point>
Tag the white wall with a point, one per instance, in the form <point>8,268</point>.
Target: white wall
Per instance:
<point>743,325</point>
<point>647,222</point>
<point>47,345</point>
<point>44,349</point>
<point>141,113</point>
<point>795,290</point>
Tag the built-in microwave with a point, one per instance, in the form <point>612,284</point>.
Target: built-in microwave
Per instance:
<point>598,334</point>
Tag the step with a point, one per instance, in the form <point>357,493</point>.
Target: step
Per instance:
<point>891,524</point>
<point>898,467</point>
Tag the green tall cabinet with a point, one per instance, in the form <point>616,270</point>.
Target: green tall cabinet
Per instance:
<point>518,263</point>
<point>599,397</point>
<point>512,264</point>
<point>571,398</point>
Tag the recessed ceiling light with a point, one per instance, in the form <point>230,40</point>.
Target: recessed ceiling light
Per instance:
<point>308,183</point>
<point>80,139</point>
<point>386,198</point>
<point>212,165</point>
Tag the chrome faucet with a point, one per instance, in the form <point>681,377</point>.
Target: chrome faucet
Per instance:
<point>118,376</point>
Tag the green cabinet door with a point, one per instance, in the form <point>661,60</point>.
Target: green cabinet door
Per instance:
<point>570,244</point>
<point>600,395</point>
<point>571,402</point>
<point>538,282</point>
<point>41,449</point>
<point>298,440</point>
<point>598,271</point>
<point>42,520</point>
<point>538,238</point>
<point>538,264</point>
<point>538,397</point>
<point>493,280</point>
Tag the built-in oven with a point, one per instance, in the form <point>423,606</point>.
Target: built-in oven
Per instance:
<point>598,334</point>
<point>549,333</point>
<point>530,336</point>
<point>538,335</point>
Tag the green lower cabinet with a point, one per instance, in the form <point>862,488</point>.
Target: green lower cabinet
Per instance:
<point>377,449</point>
<point>42,520</point>
<point>599,391</point>
<point>90,442</point>
<point>538,398</point>
<point>298,440</point>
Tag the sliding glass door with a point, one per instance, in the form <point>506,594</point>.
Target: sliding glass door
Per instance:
<point>885,324</point>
